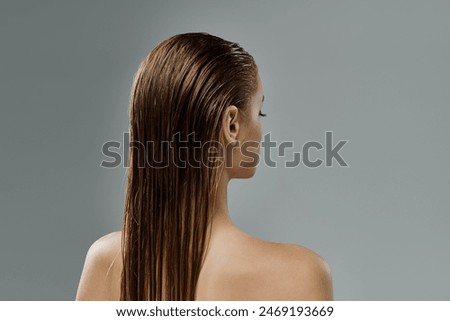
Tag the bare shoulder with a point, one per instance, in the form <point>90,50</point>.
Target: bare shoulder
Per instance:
<point>258,270</point>
<point>101,265</point>
<point>308,273</point>
<point>289,272</point>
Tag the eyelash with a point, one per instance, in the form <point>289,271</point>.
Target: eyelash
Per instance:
<point>262,115</point>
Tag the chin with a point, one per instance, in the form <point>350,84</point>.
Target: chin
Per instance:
<point>246,172</point>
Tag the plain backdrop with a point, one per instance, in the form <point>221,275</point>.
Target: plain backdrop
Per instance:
<point>375,73</point>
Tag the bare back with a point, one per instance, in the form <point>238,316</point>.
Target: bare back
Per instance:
<point>237,267</point>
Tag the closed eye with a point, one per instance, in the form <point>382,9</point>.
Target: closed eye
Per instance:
<point>261,114</point>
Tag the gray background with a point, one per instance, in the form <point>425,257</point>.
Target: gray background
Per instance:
<point>376,73</point>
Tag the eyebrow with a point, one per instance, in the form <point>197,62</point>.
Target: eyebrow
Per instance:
<point>262,99</point>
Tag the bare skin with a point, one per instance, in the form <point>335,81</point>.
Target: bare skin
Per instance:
<point>237,266</point>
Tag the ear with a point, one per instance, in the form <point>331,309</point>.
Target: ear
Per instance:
<point>230,125</point>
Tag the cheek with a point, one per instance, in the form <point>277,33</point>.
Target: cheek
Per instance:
<point>258,131</point>
<point>256,136</point>
<point>255,133</point>
<point>254,130</point>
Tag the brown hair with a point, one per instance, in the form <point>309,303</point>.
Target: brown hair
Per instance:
<point>183,86</point>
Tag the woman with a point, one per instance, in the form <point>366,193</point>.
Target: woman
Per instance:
<point>194,125</point>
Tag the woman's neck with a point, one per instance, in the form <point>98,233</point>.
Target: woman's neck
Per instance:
<point>220,216</point>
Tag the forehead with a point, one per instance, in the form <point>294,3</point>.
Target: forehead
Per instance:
<point>260,83</point>
<point>260,89</point>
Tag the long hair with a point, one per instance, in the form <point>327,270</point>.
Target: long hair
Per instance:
<point>177,103</point>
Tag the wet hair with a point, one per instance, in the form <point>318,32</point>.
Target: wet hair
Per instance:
<point>183,86</point>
